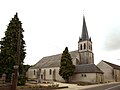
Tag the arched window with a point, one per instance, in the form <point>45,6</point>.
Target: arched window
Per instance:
<point>80,46</point>
<point>34,72</point>
<point>90,47</point>
<point>85,75</point>
<point>54,71</point>
<point>84,46</point>
<point>50,72</point>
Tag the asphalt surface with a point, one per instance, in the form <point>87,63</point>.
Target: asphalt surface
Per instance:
<point>114,86</point>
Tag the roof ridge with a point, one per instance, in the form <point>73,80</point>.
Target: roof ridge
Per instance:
<point>85,64</point>
<point>57,54</point>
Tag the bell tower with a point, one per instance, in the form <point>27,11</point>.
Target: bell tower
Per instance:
<point>86,55</point>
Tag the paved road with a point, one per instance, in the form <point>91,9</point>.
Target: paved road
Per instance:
<point>114,86</point>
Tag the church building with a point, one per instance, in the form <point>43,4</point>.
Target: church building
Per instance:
<point>47,69</point>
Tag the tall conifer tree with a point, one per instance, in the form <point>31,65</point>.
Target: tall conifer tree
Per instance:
<point>8,54</point>
<point>66,65</point>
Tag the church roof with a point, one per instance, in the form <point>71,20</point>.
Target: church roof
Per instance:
<point>84,35</point>
<point>87,68</point>
<point>52,61</point>
<point>112,65</point>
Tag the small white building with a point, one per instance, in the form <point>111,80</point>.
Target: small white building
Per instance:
<point>111,71</point>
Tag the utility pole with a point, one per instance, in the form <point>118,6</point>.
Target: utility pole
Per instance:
<point>16,67</point>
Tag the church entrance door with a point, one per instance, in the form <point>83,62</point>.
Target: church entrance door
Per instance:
<point>54,75</point>
<point>44,74</point>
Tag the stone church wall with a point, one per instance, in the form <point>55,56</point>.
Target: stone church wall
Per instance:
<point>85,77</point>
<point>32,74</point>
<point>52,74</point>
<point>108,71</point>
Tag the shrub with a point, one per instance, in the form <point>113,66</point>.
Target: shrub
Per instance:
<point>21,80</point>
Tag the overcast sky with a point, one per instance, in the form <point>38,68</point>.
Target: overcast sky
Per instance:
<point>51,25</point>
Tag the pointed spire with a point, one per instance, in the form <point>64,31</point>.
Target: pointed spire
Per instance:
<point>84,35</point>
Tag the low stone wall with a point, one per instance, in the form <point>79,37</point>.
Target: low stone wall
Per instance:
<point>3,84</point>
<point>2,79</point>
<point>6,86</point>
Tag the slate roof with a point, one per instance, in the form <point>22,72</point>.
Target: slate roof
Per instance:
<point>52,61</point>
<point>84,35</point>
<point>112,65</point>
<point>87,68</point>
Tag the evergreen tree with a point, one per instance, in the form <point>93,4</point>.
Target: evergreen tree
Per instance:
<point>66,66</point>
<point>8,55</point>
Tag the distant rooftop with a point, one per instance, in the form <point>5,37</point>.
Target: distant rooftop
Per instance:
<point>112,65</point>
